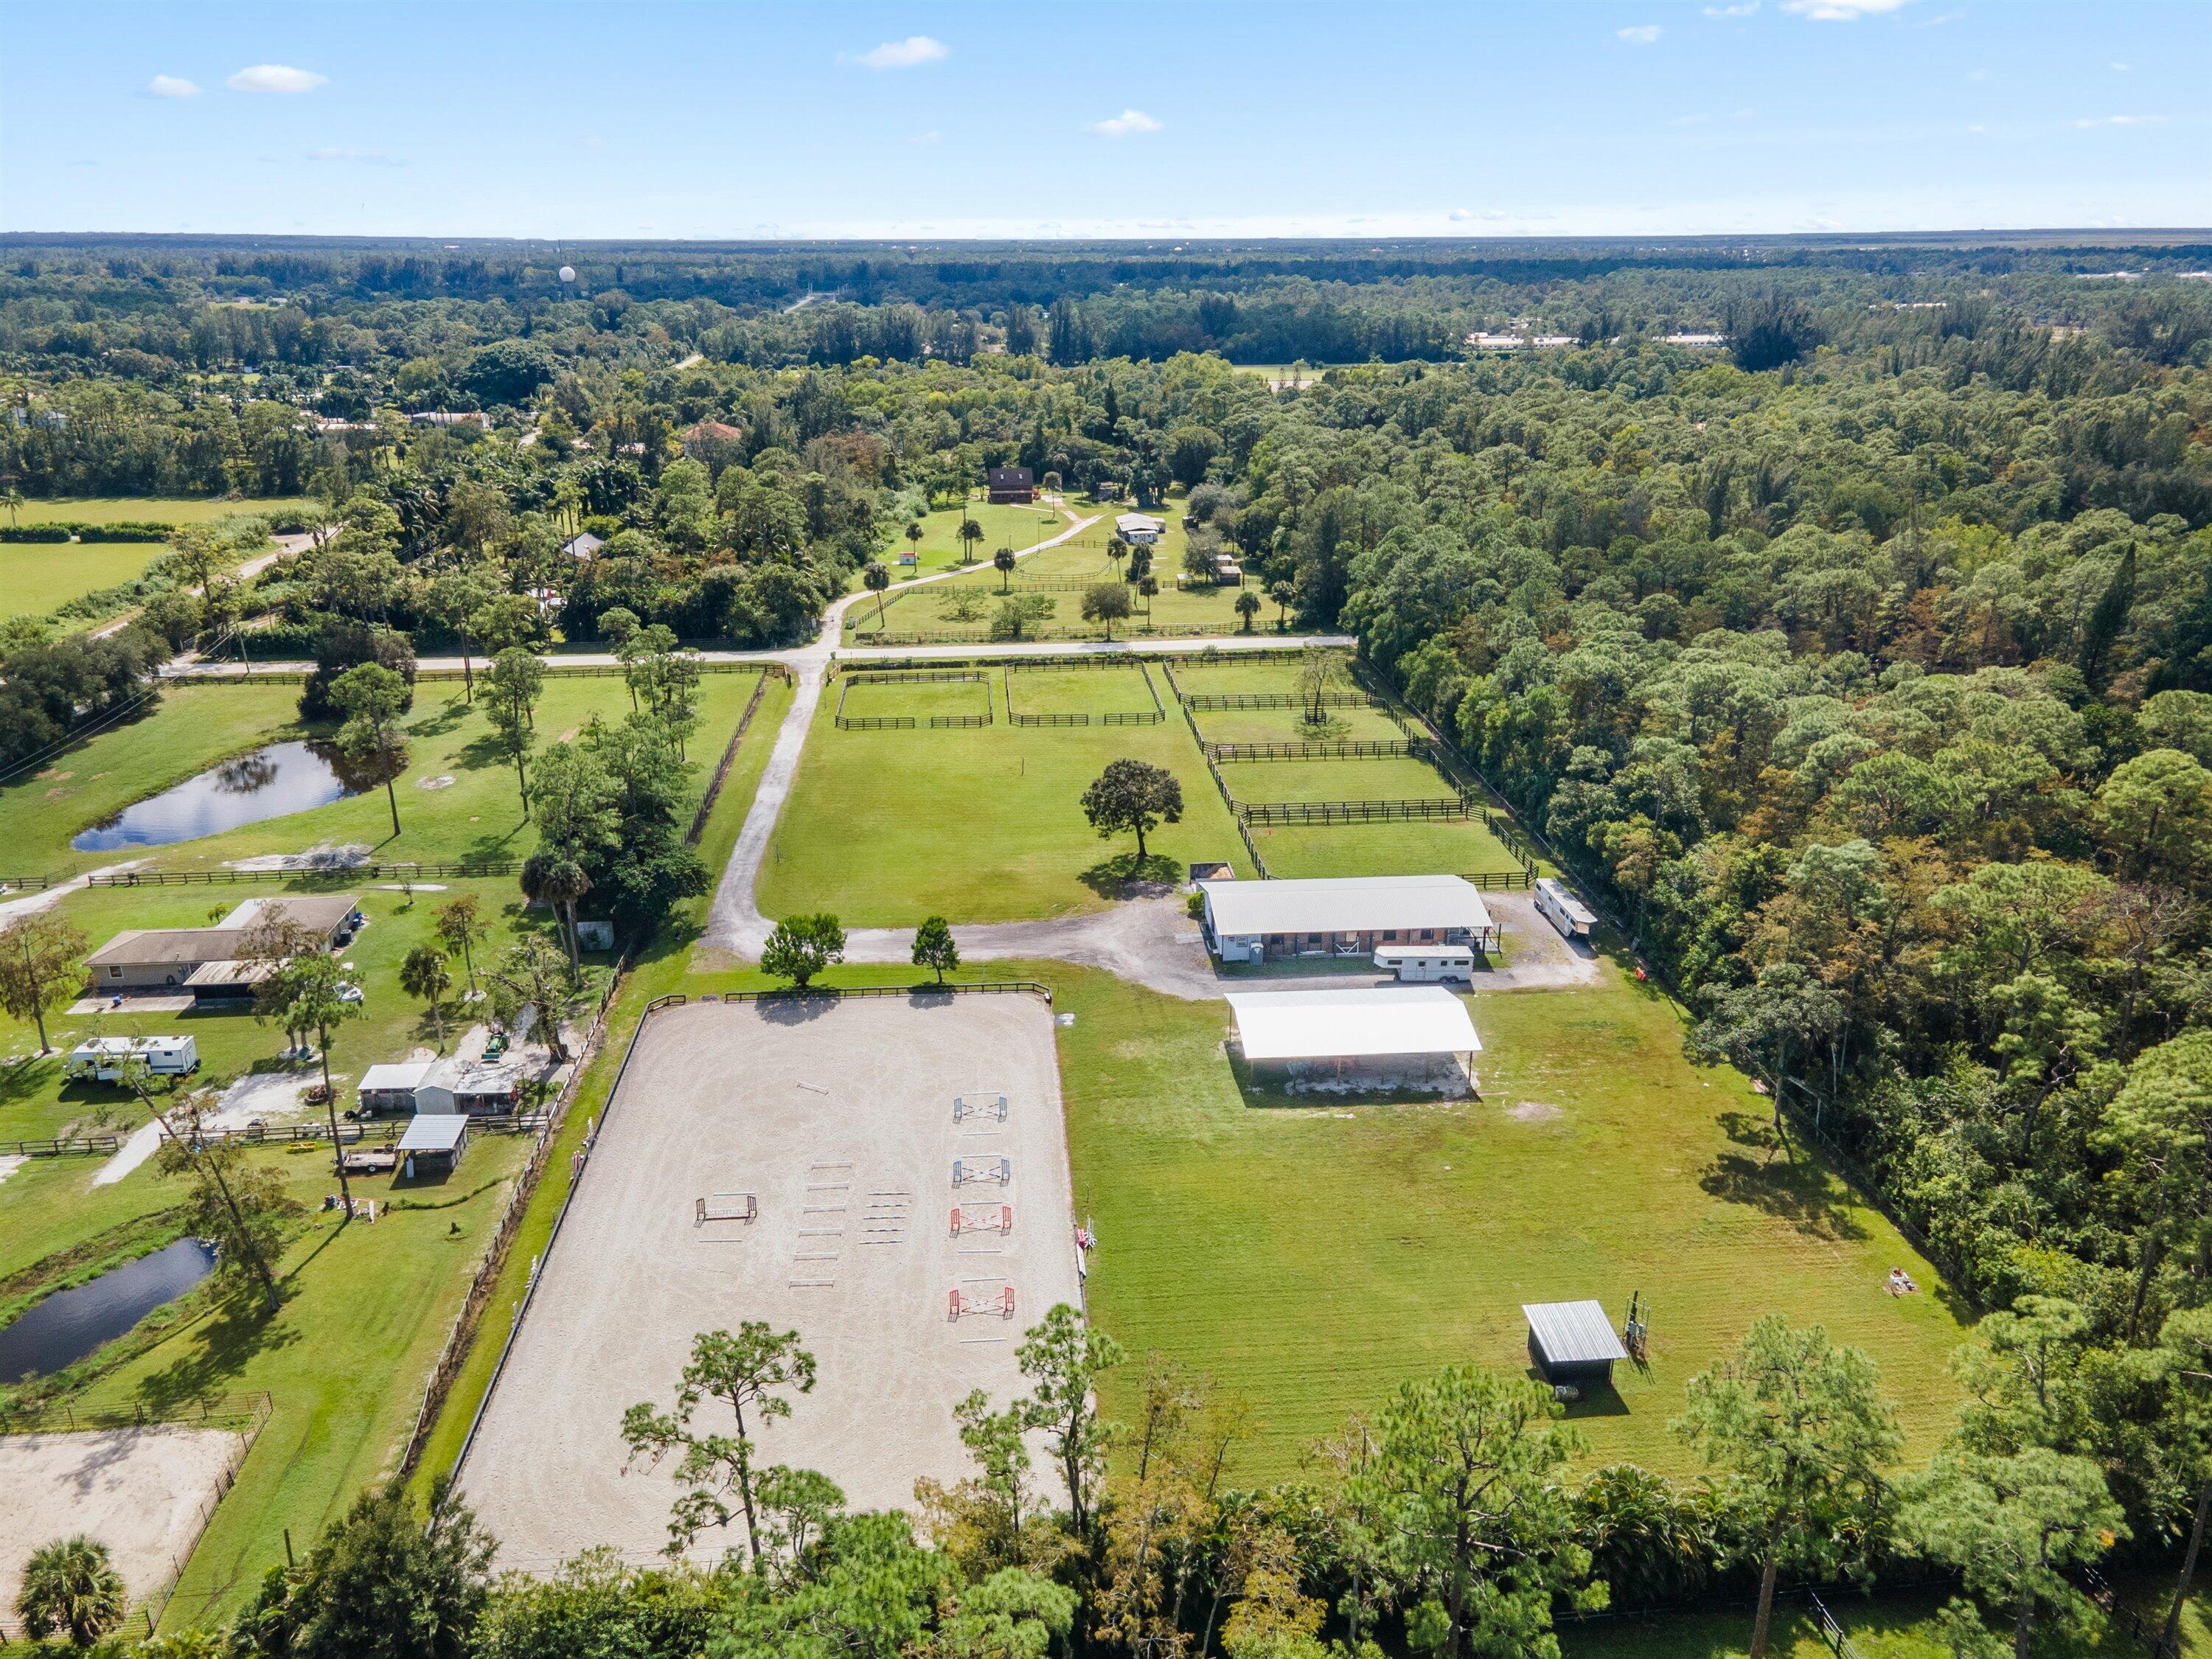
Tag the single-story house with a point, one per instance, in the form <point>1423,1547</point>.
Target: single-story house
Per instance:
<point>1572,1342</point>
<point>433,1086</point>
<point>167,958</point>
<point>1378,1035</point>
<point>704,438</point>
<point>583,546</point>
<point>451,417</point>
<point>1341,916</point>
<point>1139,529</point>
<point>434,1143</point>
<point>1010,484</point>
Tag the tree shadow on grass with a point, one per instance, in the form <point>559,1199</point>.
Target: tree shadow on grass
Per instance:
<point>31,1078</point>
<point>1598,1399</point>
<point>1126,876</point>
<point>212,1351</point>
<point>1798,1188</point>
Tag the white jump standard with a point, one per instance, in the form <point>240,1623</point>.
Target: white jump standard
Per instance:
<point>1383,1037</point>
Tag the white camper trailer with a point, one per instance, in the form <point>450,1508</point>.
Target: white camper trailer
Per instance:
<point>1563,909</point>
<point>104,1059</point>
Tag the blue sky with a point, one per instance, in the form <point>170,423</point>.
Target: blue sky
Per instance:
<point>565,119</point>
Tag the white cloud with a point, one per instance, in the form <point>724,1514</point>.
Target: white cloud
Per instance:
<point>1744,10</point>
<point>2120,121</point>
<point>171,86</point>
<point>373,158</point>
<point>1642,35</point>
<point>275,78</point>
<point>2121,67</point>
<point>929,137</point>
<point>1690,120</point>
<point>910,53</point>
<point>1121,125</point>
<point>1839,11</point>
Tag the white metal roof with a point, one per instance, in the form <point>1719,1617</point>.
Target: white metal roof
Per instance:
<point>1347,904</point>
<point>1382,1020</point>
<point>406,1075</point>
<point>1573,1333</point>
<point>433,1131</point>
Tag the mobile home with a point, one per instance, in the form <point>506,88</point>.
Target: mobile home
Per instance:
<point>1563,909</point>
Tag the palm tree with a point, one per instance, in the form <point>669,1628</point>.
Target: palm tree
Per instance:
<point>1248,607</point>
<point>1282,593</point>
<point>877,577</point>
<point>913,538</point>
<point>560,881</point>
<point>1148,585</point>
<point>1004,559</point>
<point>70,1585</point>
<point>424,974</point>
<point>12,499</point>
<point>970,533</point>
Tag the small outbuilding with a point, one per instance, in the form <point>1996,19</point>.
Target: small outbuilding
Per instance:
<point>432,1087</point>
<point>434,1144</point>
<point>583,546</point>
<point>1139,529</point>
<point>1572,1342</point>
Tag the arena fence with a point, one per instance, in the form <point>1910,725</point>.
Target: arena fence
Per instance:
<point>1349,749</point>
<point>1349,811</point>
<point>846,722</point>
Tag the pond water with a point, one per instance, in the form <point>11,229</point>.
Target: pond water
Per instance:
<point>69,1324</point>
<point>283,777</point>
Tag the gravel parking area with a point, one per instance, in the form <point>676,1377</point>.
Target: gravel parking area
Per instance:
<point>838,1119</point>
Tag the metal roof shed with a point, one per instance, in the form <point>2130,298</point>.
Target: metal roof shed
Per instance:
<point>434,1140</point>
<point>1572,1341</point>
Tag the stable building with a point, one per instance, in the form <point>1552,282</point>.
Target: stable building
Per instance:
<point>1342,916</point>
<point>1010,486</point>
<point>1361,1037</point>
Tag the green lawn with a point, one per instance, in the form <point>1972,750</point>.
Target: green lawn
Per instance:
<point>40,577</point>
<point>150,509</point>
<point>916,698</point>
<point>1272,674</point>
<point>1289,726</point>
<point>1448,847</point>
<point>885,828</point>
<point>1019,527</point>
<point>1120,689</point>
<point>476,816</point>
<point>1401,779</point>
<point>1313,1258</point>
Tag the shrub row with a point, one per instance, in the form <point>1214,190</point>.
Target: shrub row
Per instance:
<point>123,529</point>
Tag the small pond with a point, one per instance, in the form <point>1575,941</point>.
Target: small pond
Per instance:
<point>69,1324</point>
<point>283,777</point>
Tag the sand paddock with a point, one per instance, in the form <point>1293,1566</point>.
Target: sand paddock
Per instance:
<point>145,1494</point>
<point>838,1118</point>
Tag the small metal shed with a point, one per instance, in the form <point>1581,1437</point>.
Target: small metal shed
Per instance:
<point>434,1142</point>
<point>1572,1341</point>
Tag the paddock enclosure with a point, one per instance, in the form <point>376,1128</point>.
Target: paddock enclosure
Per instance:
<point>805,1162</point>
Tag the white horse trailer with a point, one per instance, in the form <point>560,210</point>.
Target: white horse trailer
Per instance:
<point>1563,909</point>
<point>1418,963</point>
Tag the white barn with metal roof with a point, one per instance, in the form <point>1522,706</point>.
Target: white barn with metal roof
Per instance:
<point>1384,1035</point>
<point>1342,916</point>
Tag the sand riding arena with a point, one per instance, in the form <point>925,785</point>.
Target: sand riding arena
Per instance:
<point>885,1175</point>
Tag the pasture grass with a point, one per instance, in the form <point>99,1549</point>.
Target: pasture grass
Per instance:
<point>1004,525</point>
<point>1290,726</point>
<point>1118,689</point>
<point>1402,778</point>
<point>150,509</point>
<point>885,828</point>
<point>917,698</point>
<point>38,577</point>
<point>478,816</point>
<point>1310,1259</point>
<point>1427,847</point>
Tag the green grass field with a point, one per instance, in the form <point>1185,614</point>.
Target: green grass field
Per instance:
<point>153,509</point>
<point>1311,1259</point>
<point>1290,726</point>
<point>1120,689</point>
<point>40,577</point>
<point>941,548</point>
<point>1446,847</point>
<point>917,698</point>
<point>885,828</point>
<point>478,816</point>
<point>1401,779</point>
<point>1272,674</point>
